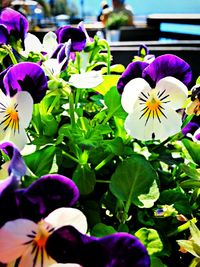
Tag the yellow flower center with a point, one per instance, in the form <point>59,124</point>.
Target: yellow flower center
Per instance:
<point>11,117</point>
<point>153,104</point>
<point>42,235</point>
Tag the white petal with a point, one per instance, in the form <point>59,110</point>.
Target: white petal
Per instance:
<point>13,236</point>
<point>68,216</point>
<point>132,90</point>
<point>32,43</point>
<point>89,79</point>
<point>51,66</point>
<point>25,108</point>
<point>29,257</point>
<point>139,129</point>
<point>176,90</point>
<point>50,42</point>
<point>19,139</point>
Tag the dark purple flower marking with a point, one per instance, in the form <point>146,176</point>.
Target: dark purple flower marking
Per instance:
<point>77,36</point>
<point>116,250</point>
<point>133,70</point>
<point>16,24</point>
<point>162,66</point>
<point>3,34</point>
<point>167,65</point>
<point>25,76</point>
<point>62,53</point>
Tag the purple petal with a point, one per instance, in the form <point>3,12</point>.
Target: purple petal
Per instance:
<point>191,127</point>
<point>76,35</point>
<point>2,74</point>
<point>195,92</point>
<point>47,194</point>
<point>3,34</point>
<point>116,250</point>
<point>26,76</point>
<point>133,70</point>
<point>17,166</point>
<point>167,65</point>
<point>17,25</point>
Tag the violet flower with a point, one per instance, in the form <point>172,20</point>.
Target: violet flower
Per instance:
<point>3,34</point>
<point>24,76</point>
<point>38,228</point>
<point>76,35</point>
<point>151,95</point>
<point>16,24</point>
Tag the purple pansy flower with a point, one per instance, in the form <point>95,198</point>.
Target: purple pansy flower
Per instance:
<point>192,129</point>
<point>25,76</point>
<point>38,228</point>
<point>77,36</point>
<point>151,95</point>
<point>16,24</point>
<point>3,34</point>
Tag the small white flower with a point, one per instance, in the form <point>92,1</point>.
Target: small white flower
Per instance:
<point>89,79</point>
<point>15,116</point>
<point>152,111</point>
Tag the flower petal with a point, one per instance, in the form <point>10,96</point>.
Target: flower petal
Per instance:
<point>68,216</point>
<point>13,238</point>
<point>3,34</point>
<point>50,42</point>
<point>25,107</point>
<point>46,194</point>
<point>89,79</point>
<point>132,92</point>
<point>116,250</point>
<point>76,35</point>
<point>133,70</point>
<point>167,65</point>
<point>175,90</point>
<point>153,128</point>
<point>30,259</point>
<point>26,76</point>
<point>32,44</point>
<point>16,164</point>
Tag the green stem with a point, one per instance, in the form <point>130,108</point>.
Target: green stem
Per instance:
<point>103,181</point>
<point>104,162</point>
<point>182,227</point>
<point>108,58</point>
<point>71,109</point>
<point>56,99</point>
<point>10,53</point>
<point>78,93</point>
<point>110,115</point>
<point>70,156</point>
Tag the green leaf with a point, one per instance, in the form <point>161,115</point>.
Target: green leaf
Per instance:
<point>178,198</point>
<point>151,240</point>
<point>108,82</point>
<point>156,262</point>
<point>84,178</point>
<point>113,102</point>
<point>50,125</point>
<point>118,68</point>
<point>149,198</point>
<point>40,162</point>
<point>114,146</point>
<point>134,177</point>
<point>101,229</point>
<point>193,149</point>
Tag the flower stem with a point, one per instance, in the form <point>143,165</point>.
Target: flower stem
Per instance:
<point>182,227</point>
<point>71,109</point>
<point>104,162</point>
<point>108,58</point>
<point>70,156</point>
<point>10,53</point>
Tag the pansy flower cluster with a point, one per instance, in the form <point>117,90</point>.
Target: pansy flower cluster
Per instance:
<point>99,163</point>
